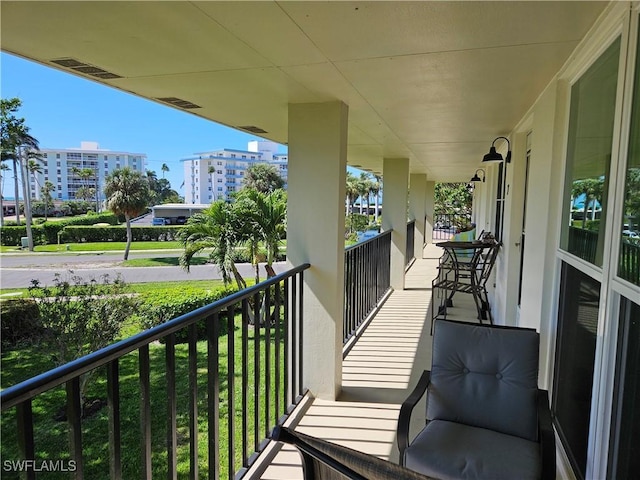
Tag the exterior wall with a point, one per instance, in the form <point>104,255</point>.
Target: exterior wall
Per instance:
<point>59,163</point>
<point>548,122</point>
<point>230,167</point>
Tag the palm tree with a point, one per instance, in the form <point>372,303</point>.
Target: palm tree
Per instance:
<point>218,228</point>
<point>211,170</point>
<point>46,190</point>
<point>14,138</point>
<point>351,191</point>
<point>263,177</point>
<point>164,168</point>
<point>3,168</point>
<point>266,218</point>
<point>364,189</point>
<point>127,194</point>
<point>376,188</point>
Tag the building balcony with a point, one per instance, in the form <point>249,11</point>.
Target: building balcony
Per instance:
<point>382,361</point>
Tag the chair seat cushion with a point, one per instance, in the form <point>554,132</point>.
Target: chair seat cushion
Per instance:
<point>448,451</point>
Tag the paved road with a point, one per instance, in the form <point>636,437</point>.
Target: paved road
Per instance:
<point>17,271</point>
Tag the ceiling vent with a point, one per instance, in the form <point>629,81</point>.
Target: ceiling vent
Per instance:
<point>178,102</point>
<point>252,129</point>
<point>85,68</point>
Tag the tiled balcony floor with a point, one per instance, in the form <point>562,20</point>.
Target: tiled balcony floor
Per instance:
<point>378,374</point>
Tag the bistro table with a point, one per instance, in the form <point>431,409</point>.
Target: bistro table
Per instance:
<point>470,264</point>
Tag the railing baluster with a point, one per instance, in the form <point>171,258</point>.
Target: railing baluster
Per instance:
<point>256,372</point>
<point>294,338</point>
<point>172,436</point>
<point>267,361</point>
<point>74,417</point>
<point>25,435</point>
<point>276,316</point>
<point>245,380</point>
<point>287,342</point>
<point>193,401</point>
<point>213,400</point>
<point>113,402</point>
<point>145,410</point>
<point>231,388</point>
<point>301,335</point>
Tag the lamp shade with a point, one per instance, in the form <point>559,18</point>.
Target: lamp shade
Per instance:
<point>492,156</point>
<point>475,178</point>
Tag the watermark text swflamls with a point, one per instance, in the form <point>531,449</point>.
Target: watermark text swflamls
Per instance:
<point>39,465</point>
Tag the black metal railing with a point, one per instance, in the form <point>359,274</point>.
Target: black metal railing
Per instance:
<point>411,235</point>
<point>629,266</point>
<point>447,224</point>
<point>222,392</point>
<point>583,243</point>
<point>366,280</point>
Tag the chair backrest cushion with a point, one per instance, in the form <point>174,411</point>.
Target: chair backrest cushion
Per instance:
<point>485,376</point>
<point>468,236</point>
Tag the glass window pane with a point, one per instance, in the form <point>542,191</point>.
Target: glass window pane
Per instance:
<point>575,356</point>
<point>629,262</point>
<point>625,446</point>
<point>593,99</point>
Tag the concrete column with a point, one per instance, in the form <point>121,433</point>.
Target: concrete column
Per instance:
<point>417,209</point>
<point>395,172</point>
<point>430,191</point>
<point>315,234</point>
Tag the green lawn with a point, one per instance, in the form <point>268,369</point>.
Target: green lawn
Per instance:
<point>51,435</point>
<point>161,262</point>
<point>108,246</point>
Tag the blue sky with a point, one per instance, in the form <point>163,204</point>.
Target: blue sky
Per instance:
<point>62,110</point>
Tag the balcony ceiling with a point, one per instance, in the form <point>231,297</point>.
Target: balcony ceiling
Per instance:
<point>431,81</point>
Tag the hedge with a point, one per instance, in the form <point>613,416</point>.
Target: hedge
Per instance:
<point>47,233</point>
<point>80,234</point>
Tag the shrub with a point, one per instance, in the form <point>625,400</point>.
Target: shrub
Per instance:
<point>81,316</point>
<point>158,309</point>
<point>20,321</point>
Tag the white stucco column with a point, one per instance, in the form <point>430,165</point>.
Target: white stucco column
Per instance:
<point>395,172</point>
<point>315,234</point>
<point>429,194</point>
<point>417,209</point>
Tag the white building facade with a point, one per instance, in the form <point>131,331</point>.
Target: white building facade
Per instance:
<point>61,167</point>
<point>217,174</point>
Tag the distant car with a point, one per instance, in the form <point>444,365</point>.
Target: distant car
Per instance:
<point>181,220</point>
<point>630,233</point>
<point>160,221</point>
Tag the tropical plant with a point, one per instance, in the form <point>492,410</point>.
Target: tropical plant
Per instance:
<point>265,221</point>
<point>3,168</point>
<point>127,194</point>
<point>263,177</point>
<point>17,145</point>
<point>46,190</point>
<point>164,168</point>
<point>217,228</point>
<point>351,191</point>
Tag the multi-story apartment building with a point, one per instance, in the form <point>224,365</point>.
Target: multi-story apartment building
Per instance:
<point>63,168</point>
<point>215,175</point>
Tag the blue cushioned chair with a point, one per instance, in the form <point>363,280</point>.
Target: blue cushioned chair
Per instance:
<point>486,417</point>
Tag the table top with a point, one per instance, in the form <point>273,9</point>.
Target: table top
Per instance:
<point>476,244</point>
